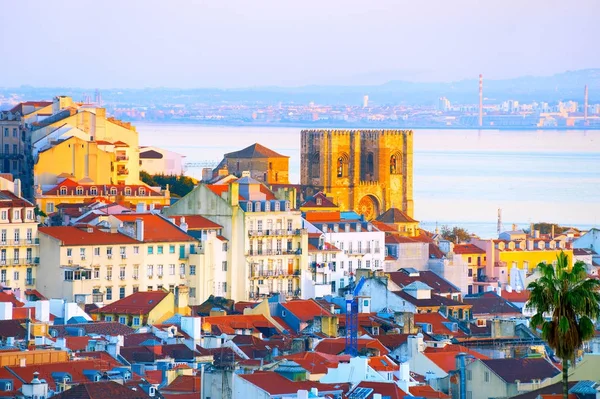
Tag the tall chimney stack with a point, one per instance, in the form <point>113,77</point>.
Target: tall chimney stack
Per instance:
<point>585,106</point>
<point>480,100</point>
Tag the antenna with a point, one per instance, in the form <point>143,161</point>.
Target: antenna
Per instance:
<point>499,221</point>
<point>480,100</point>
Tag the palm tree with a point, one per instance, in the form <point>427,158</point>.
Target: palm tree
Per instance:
<point>566,302</point>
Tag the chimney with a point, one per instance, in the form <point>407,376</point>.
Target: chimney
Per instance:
<point>17,185</point>
<point>552,232</point>
<point>532,230</point>
<point>152,208</point>
<point>234,193</point>
<point>140,207</point>
<point>139,229</point>
<point>182,224</point>
<point>6,310</point>
<point>302,394</point>
<point>315,392</point>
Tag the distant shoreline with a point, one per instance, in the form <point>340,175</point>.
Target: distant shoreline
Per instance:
<point>358,126</point>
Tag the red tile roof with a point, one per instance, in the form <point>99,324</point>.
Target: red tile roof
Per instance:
<point>335,346</point>
<point>395,215</point>
<point>36,104</point>
<point>437,320</point>
<point>393,341</point>
<point>305,310</point>
<point>255,151</point>
<point>102,390</point>
<point>461,249</point>
<point>325,202</point>
<point>156,228</point>
<point>138,303</point>
<point>183,384</point>
<point>103,189</point>
<point>228,324</point>
<point>77,344</point>
<point>196,222</point>
<point>9,297</point>
<point>276,384</point>
<point>9,199</point>
<point>107,328</point>
<point>383,363</point>
<point>445,358</point>
<point>73,236</point>
<point>316,362</point>
<point>435,252</point>
<point>514,296</point>
<point>427,392</point>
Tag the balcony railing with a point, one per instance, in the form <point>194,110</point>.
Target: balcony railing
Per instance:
<point>30,282</point>
<point>121,158</point>
<point>122,172</point>
<point>274,232</point>
<point>274,273</point>
<point>19,261</point>
<point>355,251</point>
<point>273,252</point>
<point>500,264</point>
<point>23,242</point>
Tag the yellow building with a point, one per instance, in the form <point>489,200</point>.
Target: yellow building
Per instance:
<point>141,309</point>
<point>366,171</point>
<point>403,224</point>
<point>263,164</point>
<point>476,260</point>
<point>131,253</point>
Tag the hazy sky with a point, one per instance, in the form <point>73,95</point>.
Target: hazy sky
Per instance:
<point>241,43</point>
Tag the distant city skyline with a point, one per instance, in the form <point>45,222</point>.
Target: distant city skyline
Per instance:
<point>232,44</point>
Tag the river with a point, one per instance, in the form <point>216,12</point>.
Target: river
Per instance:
<point>461,177</point>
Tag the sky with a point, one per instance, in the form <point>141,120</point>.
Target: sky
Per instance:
<point>251,43</point>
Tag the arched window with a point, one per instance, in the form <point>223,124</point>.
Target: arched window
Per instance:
<point>79,190</point>
<point>315,165</point>
<point>63,191</point>
<point>142,191</point>
<point>342,165</point>
<point>94,191</point>
<point>113,191</point>
<point>395,167</point>
<point>128,191</point>
<point>370,167</point>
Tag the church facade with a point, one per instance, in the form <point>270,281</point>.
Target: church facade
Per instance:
<point>366,171</point>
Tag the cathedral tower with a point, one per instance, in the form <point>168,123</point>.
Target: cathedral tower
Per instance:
<point>367,171</point>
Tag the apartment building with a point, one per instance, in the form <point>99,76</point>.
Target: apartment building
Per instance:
<point>19,256</point>
<point>267,244</point>
<point>121,255</point>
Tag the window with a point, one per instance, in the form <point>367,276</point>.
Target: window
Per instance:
<point>122,319</point>
<point>224,247</point>
<point>16,256</point>
<point>94,191</point>
<point>15,149</point>
<point>136,272</point>
<point>470,272</point>
<point>376,263</point>
<point>150,270</point>
<point>79,190</point>
<point>96,273</point>
<point>469,259</point>
<point>97,251</point>
<point>150,250</point>
<point>225,286</point>
<point>109,273</point>
<point>469,395</point>
<point>17,214</point>
<point>142,191</point>
<point>486,376</point>
<point>107,318</point>
<point>14,132</point>
<point>82,253</point>
<point>113,191</point>
<point>127,191</point>
<point>49,207</point>
<point>136,250</point>
<point>159,270</point>
<point>3,276</point>
<point>192,292</point>
<point>69,252</point>
<point>469,376</point>
<point>109,297</point>
<point>16,276</point>
<point>109,252</point>
<point>171,270</point>
<point>3,238</point>
<point>5,132</point>
<point>135,321</point>
<point>123,252</point>
<point>136,288</point>
<point>159,250</point>
<point>368,264</point>
<point>171,249</point>
<point>171,288</point>
<point>224,266</point>
<point>150,288</point>
<point>122,273</point>
<point>192,270</point>
<point>63,191</point>
<point>17,235</point>
<point>182,269</point>
<point>121,292</point>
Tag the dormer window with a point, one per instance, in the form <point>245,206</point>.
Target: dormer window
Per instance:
<point>63,191</point>
<point>257,207</point>
<point>128,191</point>
<point>79,190</point>
<point>142,191</point>
<point>113,191</point>
<point>94,191</point>
<point>319,201</point>
<point>277,206</point>
<point>287,205</point>
<point>267,206</point>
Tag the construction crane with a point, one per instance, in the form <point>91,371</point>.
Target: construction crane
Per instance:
<point>352,318</point>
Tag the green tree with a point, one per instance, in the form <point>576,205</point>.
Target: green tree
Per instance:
<point>455,234</point>
<point>570,300</point>
<point>178,185</point>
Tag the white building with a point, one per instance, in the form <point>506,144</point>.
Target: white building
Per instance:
<point>158,161</point>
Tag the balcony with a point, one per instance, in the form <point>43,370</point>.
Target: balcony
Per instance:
<point>274,232</point>
<point>30,282</point>
<point>122,158</point>
<point>19,261</point>
<point>20,242</point>
<point>355,252</point>
<point>122,172</point>
<point>500,264</point>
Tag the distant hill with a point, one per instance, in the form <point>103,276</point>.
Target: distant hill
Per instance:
<point>562,86</point>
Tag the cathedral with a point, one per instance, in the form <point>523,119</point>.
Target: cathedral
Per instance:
<point>367,171</point>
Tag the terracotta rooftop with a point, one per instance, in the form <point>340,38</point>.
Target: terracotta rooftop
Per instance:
<point>434,301</point>
<point>138,303</point>
<point>101,390</point>
<point>107,328</point>
<point>319,200</point>
<point>336,346</point>
<point>196,222</point>
<point>305,310</point>
<point>395,215</point>
<point>316,362</point>
<point>440,286</point>
<point>156,228</point>
<point>229,324</point>
<point>74,236</point>
<point>255,151</point>
<point>386,389</point>
<point>445,358</point>
<point>466,249</point>
<point>276,384</point>
<point>70,185</point>
<point>393,341</point>
<point>437,320</point>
